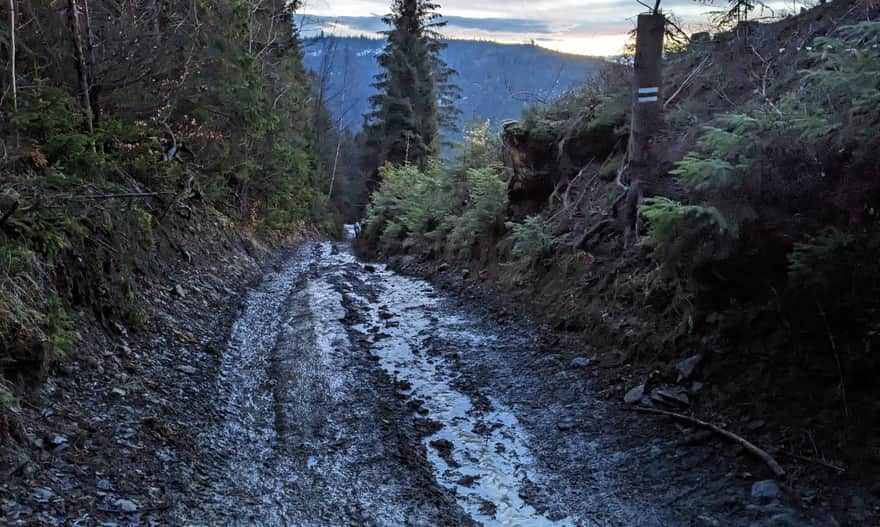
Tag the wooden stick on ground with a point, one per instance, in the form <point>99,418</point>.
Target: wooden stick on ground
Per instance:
<point>767,458</point>
<point>687,80</point>
<point>815,460</point>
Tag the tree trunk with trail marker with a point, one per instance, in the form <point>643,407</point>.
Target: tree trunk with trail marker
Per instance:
<point>645,113</point>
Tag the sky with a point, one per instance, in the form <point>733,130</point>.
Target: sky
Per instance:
<point>586,27</point>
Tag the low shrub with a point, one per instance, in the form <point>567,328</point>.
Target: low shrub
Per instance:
<point>486,201</point>
<point>532,239</point>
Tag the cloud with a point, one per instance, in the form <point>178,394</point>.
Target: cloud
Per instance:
<point>374,24</point>
<point>505,25</point>
<point>575,26</point>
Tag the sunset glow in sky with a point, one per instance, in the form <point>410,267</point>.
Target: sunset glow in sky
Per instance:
<point>588,27</point>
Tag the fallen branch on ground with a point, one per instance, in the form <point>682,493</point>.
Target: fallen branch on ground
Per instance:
<point>767,458</point>
<point>815,460</point>
<point>687,80</point>
<point>83,197</point>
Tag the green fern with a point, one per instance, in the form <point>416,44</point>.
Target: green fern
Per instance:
<point>678,230</point>
<point>705,173</point>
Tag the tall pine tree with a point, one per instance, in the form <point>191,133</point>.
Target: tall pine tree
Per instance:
<point>416,96</point>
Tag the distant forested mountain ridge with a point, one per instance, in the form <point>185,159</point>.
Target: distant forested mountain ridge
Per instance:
<point>497,80</point>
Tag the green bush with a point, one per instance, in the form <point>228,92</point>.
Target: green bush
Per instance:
<point>532,239</point>
<point>459,202</point>
<point>58,328</point>
<point>30,311</point>
<point>8,401</point>
<point>847,80</point>
<point>45,111</point>
<point>797,165</point>
<point>410,201</point>
<point>687,233</point>
<point>486,201</point>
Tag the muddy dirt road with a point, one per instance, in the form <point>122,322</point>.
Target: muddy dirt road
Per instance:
<point>352,395</point>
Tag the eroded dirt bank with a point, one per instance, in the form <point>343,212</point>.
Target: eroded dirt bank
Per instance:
<point>109,437</point>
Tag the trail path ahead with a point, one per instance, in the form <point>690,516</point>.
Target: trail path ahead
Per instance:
<point>352,395</point>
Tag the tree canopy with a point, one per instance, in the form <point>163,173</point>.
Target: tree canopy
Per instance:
<point>416,96</point>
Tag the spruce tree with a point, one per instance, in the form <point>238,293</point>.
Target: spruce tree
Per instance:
<point>403,127</point>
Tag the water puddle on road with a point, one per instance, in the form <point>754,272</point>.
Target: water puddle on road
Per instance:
<point>479,451</point>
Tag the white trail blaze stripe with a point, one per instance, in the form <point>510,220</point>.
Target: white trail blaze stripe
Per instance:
<point>648,99</point>
<point>649,91</point>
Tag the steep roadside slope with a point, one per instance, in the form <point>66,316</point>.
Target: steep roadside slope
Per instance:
<point>147,152</point>
<point>736,345</point>
<point>110,432</point>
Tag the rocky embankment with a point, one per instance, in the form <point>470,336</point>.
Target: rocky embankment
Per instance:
<point>109,437</point>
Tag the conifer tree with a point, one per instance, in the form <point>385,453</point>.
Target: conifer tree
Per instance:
<point>403,127</point>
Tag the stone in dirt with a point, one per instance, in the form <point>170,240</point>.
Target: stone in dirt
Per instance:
<point>43,495</point>
<point>580,362</point>
<point>704,520</point>
<point>688,367</point>
<point>785,519</point>
<point>126,505</point>
<point>488,508</point>
<point>767,489</point>
<point>670,396</point>
<point>444,446</point>
<point>635,395</point>
<point>565,425</point>
<point>468,481</point>
<point>189,370</point>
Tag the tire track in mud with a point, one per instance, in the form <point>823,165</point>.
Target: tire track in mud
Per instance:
<point>312,431</point>
<point>476,448</point>
<point>352,395</point>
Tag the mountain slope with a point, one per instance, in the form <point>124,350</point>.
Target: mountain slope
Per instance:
<point>498,81</point>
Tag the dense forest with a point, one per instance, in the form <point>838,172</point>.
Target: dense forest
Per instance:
<point>250,278</point>
<point>119,120</point>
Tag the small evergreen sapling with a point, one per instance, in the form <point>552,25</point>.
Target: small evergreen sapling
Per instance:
<point>532,239</point>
